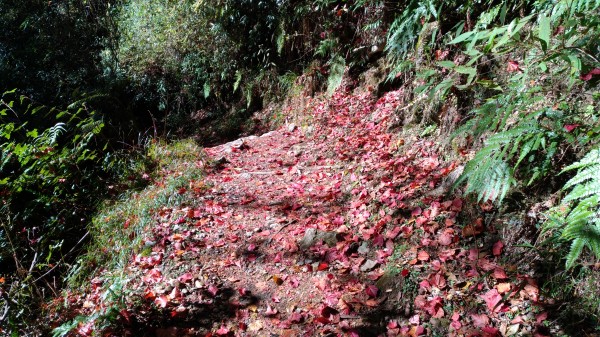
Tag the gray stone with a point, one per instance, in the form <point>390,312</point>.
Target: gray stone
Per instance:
<point>364,248</point>
<point>309,238</point>
<point>312,236</point>
<point>238,144</point>
<point>368,265</point>
<point>268,134</point>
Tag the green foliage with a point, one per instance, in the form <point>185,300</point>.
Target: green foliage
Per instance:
<point>50,50</point>
<point>404,31</point>
<point>55,165</point>
<point>581,226</point>
<point>529,127</point>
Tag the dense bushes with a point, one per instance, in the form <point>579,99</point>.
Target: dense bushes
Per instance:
<point>51,179</point>
<point>521,75</point>
<point>50,49</point>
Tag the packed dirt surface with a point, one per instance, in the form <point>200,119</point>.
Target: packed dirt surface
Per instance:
<point>333,227</point>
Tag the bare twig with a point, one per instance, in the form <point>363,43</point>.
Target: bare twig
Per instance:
<point>68,253</point>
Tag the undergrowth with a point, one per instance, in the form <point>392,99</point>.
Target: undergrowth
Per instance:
<point>121,229</point>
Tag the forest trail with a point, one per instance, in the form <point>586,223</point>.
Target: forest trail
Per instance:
<point>327,229</point>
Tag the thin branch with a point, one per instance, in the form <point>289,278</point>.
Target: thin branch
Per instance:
<point>68,253</point>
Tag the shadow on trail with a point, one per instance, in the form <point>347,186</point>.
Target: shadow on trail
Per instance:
<point>194,319</point>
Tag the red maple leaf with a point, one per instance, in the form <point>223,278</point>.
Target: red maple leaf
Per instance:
<point>492,299</point>
<point>223,330</point>
<point>213,290</point>
<point>270,311</point>
<point>185,278</point>
<point>161,301</point>
<point>372,291</point>
<point>480,320</point>
<point>588,76</point>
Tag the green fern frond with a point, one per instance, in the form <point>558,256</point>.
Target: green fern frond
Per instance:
<point>586,182</point>
<point>582,224</point>
<point>586,236</point>
<point>575,251</point>
<point>487,175</point>
<point>50,136</point>
<point>407,30</point>
<point>593,157</point>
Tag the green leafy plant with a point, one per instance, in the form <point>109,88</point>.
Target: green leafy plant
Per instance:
<point>404,31</point>
<point>581,225</point>
<point>55,165</point>
<point>527,130</point>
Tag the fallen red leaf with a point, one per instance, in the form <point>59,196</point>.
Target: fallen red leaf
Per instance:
<point>512,66</point>
<point>541,317</point>
<point>571,127</point>
<point>489,331</point>
<point>480,320</point>
<point>445,239</point>
<point>161,301</point>
<point>185,278</point>
<point>588,76</point>
<point>213,290</point>
<point>372,291</point>
<point>322,320</point>
<point>270,311</point>
<point>296,318</point>
<point>499,274</point>
<point>422,255</point>
<point>322,266</point>
<point>223,330</point>
<point>497,249</point>
<point>150,295</point>
<point>492,299</point>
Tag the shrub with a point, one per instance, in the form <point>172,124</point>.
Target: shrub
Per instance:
<point>55,166</point>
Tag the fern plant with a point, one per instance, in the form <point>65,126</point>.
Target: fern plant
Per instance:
<point>582,224</point>
<point>524,150</point>
<point>406,27</point>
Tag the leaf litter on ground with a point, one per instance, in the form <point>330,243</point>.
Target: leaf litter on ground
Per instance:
<point>296,229</point>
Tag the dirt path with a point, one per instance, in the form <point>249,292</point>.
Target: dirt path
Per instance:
<point>279,217</point>
<point>336,228</point>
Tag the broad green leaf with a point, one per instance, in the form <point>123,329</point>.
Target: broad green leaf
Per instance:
<point>33,133</point>
<point>446,64</point>
<point>238,79</point>
<point>544,33</point>
<point>472,72</point>
<point>462,37</point>
<point>442,88</point>
<point>206,89</point>
<point>490,85</point>
<point>503,13</point>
